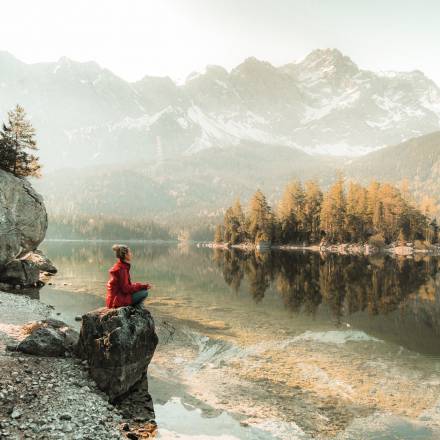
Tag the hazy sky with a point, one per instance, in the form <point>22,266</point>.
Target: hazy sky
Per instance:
<point>176,37</point>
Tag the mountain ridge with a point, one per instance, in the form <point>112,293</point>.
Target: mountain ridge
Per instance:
<point>323,104</point>
<point>198,187</point>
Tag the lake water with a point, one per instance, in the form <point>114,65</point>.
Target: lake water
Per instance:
<point>281,345</point>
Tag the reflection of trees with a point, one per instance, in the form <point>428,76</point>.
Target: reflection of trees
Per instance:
<point>232,267</point>
<point>332,284</point>
<point>258,269</point>
<point>346,284</point>
<point>298,281</point>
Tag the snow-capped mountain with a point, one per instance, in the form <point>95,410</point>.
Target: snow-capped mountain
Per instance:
<point>325,104</point>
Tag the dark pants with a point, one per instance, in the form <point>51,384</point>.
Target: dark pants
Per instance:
<point>139,296</point>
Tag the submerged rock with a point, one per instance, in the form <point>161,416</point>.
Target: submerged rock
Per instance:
<point>48,338</point>
<point>118,345</point>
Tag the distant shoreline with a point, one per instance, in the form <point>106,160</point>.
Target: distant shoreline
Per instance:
<point>341,249</point>
<point>107,240</point>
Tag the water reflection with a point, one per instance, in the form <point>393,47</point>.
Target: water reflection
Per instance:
<point>347,284</point>
<point>390,298</point>
<point>397,299</point>
<point>316,321</point>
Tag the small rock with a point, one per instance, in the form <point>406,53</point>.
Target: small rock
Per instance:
<point>78,318</point>
<point>16,414</point>
<point>65,417</point>
<point>67,427</point>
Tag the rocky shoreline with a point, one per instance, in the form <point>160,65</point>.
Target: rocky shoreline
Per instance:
<point>55,397</point>
<point>47,397</point>
<point>405,250</point>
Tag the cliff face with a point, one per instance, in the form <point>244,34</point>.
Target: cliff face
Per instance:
<point>23,219</point>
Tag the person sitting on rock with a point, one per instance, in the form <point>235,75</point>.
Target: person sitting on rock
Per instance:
<point>120,290</point>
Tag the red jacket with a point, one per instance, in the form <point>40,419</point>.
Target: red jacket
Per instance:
<point>119,286</point>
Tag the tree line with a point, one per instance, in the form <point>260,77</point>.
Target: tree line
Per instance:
<point>18,145</point>
<point>380,213</point>
<point>102,227</point>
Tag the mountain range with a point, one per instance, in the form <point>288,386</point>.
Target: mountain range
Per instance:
<point>157,149</point>
<point>325,104</point>
<point>198,188</point>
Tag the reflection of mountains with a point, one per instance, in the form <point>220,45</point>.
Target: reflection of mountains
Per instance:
<point>361,289</point>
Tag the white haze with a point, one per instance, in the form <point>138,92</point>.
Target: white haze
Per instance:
<point>175,37</point>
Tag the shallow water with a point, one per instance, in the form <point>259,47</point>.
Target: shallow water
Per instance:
<point>291,345</point>
<point>179,421</point>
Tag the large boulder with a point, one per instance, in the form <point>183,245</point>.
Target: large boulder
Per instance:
<point>118,345</point>
<point>23,217</point>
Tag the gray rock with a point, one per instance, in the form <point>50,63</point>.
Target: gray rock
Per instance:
<point>65,417</point>
<point>44,341</point>
<point>43,263</point>
<point>16,414</point>
<point>49,338</point>
<point>118,345</point>
<point>20,272</point>
<point>23,217</point>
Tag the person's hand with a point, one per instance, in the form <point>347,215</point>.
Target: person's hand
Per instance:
<point>150,286</point>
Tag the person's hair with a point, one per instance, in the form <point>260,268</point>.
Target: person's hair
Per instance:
<point>121,251</point>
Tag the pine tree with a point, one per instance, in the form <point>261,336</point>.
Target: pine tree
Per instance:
<point>333,212</point>
<point>235,224</point>
<point>291,214</point>
<point>17,144</point>
<point>260,224</point>
<point>239,222</point>
<point>218,236</point>
<point>356,212</point>
<point>227,223</point>
<point>312,211</point>
<point>378,217</point>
